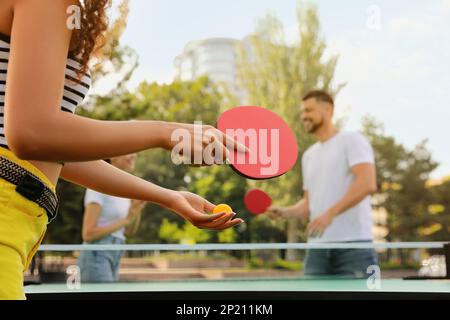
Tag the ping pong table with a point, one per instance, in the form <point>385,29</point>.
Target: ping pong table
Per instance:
<point>285,288</point>
<point>269,289</point>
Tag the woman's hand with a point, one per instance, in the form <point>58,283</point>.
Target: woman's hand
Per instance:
<point>200,144</point>
<point>196,210</point>
<point>135,209</point>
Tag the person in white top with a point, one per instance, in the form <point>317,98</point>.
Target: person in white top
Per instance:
<point>108,220</point>
<point>338,179</point>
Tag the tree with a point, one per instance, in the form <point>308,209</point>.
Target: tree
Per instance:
<point>276,75</point>
<point>437,227</point>
<point>402,177</point>
<point>116,58</point>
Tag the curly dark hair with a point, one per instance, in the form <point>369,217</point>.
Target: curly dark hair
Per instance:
<point>90,38</point>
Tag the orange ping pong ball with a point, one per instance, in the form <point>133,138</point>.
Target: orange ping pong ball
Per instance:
<point>222,208</point>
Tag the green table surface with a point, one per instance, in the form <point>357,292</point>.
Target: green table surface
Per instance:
<point>294,284</point>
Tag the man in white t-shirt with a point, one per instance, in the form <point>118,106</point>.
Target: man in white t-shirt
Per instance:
<point>338,179</point>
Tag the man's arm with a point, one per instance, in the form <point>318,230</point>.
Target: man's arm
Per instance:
<point>363,185</point>
<point>299,211</point>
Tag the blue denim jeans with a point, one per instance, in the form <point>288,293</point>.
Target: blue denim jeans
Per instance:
<point>340,262</point>
<point>101,266</point>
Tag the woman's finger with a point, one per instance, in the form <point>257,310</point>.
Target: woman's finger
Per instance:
<point>229,224</point>
<point>219,222</point>
<point>230,142</point>
<point>197,217</point>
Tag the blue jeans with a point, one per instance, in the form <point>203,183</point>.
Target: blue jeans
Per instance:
<point>101,266</point>
<point>340,262</point>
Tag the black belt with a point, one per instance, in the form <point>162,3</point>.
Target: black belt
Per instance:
<point>29,186</point>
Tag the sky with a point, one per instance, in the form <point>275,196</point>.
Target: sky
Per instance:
<point>393,55</point>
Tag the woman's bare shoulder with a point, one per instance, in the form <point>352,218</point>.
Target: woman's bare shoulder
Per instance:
<point>11,5</point>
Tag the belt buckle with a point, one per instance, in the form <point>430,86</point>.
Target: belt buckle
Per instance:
<point>30,187</point>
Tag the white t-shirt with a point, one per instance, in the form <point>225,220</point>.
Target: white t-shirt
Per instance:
<point>327,176</point>
<point>112,209</point>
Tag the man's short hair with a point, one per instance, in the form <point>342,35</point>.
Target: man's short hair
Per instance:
<point>319,95</point>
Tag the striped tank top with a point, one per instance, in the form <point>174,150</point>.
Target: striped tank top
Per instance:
<point>74,92</point>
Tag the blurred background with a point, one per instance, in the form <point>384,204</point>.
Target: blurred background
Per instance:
<point>386,63</point>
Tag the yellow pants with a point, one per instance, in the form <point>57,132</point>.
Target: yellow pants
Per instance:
<point>22,226</point>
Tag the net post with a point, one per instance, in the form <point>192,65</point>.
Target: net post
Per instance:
<point>447,259</point>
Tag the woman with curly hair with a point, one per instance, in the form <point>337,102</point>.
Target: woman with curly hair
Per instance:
<point>43,78</point>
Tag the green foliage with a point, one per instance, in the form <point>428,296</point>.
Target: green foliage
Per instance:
<point>402,176</point>
<point>227,236</point>
<point>66,228</point>
<point>256,263</point>
<point>395,265</point>
<point>259,263</point>
<point>188,234</point>
<point>192,233</point>
<point>416,210</point>
<point>437,216</point>
<point>287,265</point>
<point>263,229</point>
<point>170,232</point>
<point>190,255</point>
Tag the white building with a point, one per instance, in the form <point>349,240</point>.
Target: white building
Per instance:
<point>213,57</point>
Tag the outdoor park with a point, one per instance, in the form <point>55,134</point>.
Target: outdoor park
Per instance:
<point>197,149</point>
<point>409,205</point>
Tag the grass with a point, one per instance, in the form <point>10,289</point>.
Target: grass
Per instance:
<point>393,265</point>
<point>258,263</point>
<point>190,256</point>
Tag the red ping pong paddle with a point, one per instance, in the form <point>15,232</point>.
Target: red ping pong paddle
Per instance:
<point>272,145</point>
<point>257,201</point>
